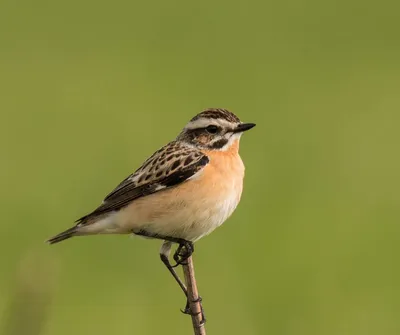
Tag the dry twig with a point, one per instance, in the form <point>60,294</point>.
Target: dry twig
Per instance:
<point>193,298</point>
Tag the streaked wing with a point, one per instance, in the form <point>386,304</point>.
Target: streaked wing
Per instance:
<point>167,167</point>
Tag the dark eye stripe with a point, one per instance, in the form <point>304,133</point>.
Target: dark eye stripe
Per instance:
<point>219,144</point>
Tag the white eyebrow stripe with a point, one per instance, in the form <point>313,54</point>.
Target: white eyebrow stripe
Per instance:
<point>204,122</point>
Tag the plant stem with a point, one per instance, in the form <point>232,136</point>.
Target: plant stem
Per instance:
<point>193,298</point>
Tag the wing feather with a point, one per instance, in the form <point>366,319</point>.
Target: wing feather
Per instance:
<point>171,165</point>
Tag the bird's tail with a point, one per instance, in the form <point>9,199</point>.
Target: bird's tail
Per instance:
<point>62,236</point>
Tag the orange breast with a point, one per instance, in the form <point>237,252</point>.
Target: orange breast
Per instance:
<point>225,170</point>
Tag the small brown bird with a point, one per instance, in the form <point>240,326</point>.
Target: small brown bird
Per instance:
<point>181,193</point>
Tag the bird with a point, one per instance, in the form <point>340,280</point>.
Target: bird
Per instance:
<point>181,193</point>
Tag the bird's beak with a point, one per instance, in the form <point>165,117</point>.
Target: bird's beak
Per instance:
<point>243,127</point>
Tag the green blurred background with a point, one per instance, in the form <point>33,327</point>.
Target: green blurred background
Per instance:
<point>88,89</point>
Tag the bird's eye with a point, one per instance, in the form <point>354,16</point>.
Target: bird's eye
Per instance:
<point>212,129</point>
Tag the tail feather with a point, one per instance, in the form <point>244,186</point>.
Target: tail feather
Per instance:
<point>62,236</point>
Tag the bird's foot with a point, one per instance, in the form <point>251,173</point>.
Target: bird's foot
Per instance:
<point>183,252</point>
<point>188,311</point>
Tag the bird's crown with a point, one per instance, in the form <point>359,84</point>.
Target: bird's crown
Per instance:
<point>215,114</point>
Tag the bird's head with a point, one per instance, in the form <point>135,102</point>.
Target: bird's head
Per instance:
<point>214,129</point>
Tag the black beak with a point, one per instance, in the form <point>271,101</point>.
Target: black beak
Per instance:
<point>243,127</point>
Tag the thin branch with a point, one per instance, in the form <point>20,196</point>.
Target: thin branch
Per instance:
<point>193,298</point>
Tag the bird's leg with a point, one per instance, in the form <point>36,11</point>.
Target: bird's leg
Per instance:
<point>164,253</point>
<point>183,252</point>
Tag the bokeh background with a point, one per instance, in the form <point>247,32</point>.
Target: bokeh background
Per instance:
<point>88,89</point>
